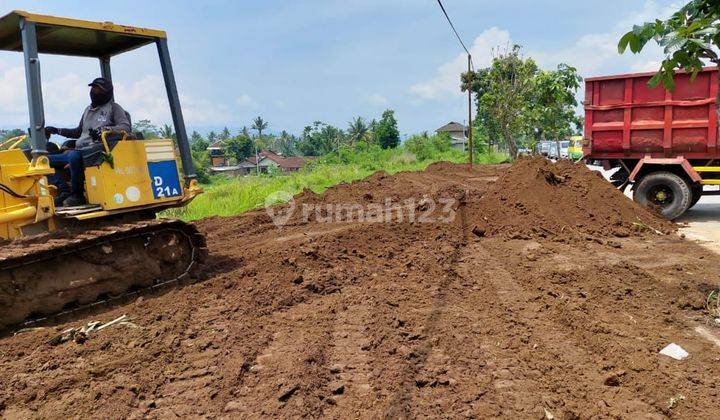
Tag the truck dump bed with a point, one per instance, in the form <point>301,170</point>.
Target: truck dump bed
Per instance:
<point>626,119</point>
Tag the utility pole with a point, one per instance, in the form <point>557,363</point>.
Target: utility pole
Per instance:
<point>257,159</point>
<point>470,130</point>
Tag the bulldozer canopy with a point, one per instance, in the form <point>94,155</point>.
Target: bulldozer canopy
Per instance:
<point>56,35</point>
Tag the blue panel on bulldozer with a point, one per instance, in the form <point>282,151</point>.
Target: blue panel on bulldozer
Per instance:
<point>165,179</point>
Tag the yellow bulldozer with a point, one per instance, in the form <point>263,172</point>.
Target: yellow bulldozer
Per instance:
<point>56,260</point>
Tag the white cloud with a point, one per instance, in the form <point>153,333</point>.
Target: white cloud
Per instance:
<point>593,54</point>
<point>13,99</point>
<point>447,79</point>
<point>65,98</point>
<point>376,99</point>
<point>204,111</point>
<point>147,99</point>
<point>652,65</point>
<point>597,54</point>
<point>245,100</point>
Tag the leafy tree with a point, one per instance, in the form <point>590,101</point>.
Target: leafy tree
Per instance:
<point>212,137</point>
<point>308,145</point>
<point>689,36</point>
<point>224,134</point>
<point>198,142</point>
<point>486,131</point>
<point>265,143</point>
<point>334,137</point>
<point>320,138</point>
<point>358,130</point>
<point>240,147</point>
<point>386,132</point>
<point>550,111</point>
<point>259,125</point>
<point>147,128</point>
<point>426,147</point>
<point>201,161</point>
<point>503,92</point>
<point>285,144</point>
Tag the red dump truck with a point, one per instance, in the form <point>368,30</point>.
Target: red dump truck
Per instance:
<point>663,144</point>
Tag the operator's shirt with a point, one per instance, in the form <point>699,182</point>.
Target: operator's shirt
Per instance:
<point>109,116</point>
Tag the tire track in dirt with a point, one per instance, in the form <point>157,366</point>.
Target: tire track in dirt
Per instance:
<point>352,391</point>
<point>289,374</point>
<point>605,329</point>
<point>555,342</point>
<point>400,406</point>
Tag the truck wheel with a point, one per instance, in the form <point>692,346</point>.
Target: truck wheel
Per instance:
<point>666,190</point>
<point>696,190</point>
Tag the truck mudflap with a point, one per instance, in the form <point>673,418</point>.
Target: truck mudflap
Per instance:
<point>679,161</point>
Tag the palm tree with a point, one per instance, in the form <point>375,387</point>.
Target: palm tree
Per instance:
<point>357,129</point>
<point>259,125</point>
<point>225,134</point>
<point>167,132</point>
<point>245,131</point>
<point>285,143</point>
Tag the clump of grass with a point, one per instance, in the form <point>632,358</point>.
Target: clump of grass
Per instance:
<point>640,226</point>
<point>675,400</point>
<point>712,303</point>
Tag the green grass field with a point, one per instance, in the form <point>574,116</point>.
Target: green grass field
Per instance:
<point>231,196</point>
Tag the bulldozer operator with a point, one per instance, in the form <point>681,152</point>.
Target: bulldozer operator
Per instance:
<point>103,114</point>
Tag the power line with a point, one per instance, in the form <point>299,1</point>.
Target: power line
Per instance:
<point>459,38</point>
<point>471,68</point>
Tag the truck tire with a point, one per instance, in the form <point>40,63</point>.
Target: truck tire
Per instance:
<point>668,191</point>
<point>696,190</point>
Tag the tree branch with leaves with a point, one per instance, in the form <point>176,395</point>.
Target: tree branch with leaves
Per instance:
<point>689,36</point>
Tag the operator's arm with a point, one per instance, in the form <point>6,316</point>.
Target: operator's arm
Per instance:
<point>120,119</point>
<point>72,133</point>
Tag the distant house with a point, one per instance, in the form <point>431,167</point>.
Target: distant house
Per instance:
<point>217,155</point>
<point>458,133</point>
<point>263,162</point>
<point>267,159</point>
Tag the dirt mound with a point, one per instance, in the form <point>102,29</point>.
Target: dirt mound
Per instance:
<point>537,197</point>
<point>399,319</point>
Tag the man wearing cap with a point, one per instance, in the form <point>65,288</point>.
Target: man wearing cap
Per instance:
<point>103,114</point>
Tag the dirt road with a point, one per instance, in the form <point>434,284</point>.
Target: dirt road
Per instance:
<point>528,292</point>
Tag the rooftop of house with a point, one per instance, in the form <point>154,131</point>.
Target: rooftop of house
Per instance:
<point>216,146</point>
<point>452,126</point>
<point>290,162</point>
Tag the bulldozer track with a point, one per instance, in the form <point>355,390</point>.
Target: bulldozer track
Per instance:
<point>47,250</point>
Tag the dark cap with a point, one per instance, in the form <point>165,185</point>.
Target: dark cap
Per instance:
<point>102,83</point>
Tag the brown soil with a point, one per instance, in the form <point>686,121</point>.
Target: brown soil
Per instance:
<point>547,294</point>
<point>540,198</point>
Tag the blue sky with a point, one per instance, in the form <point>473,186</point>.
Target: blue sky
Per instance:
<point>294,62</point>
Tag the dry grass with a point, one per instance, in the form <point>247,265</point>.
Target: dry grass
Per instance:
<point>712,303</point>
